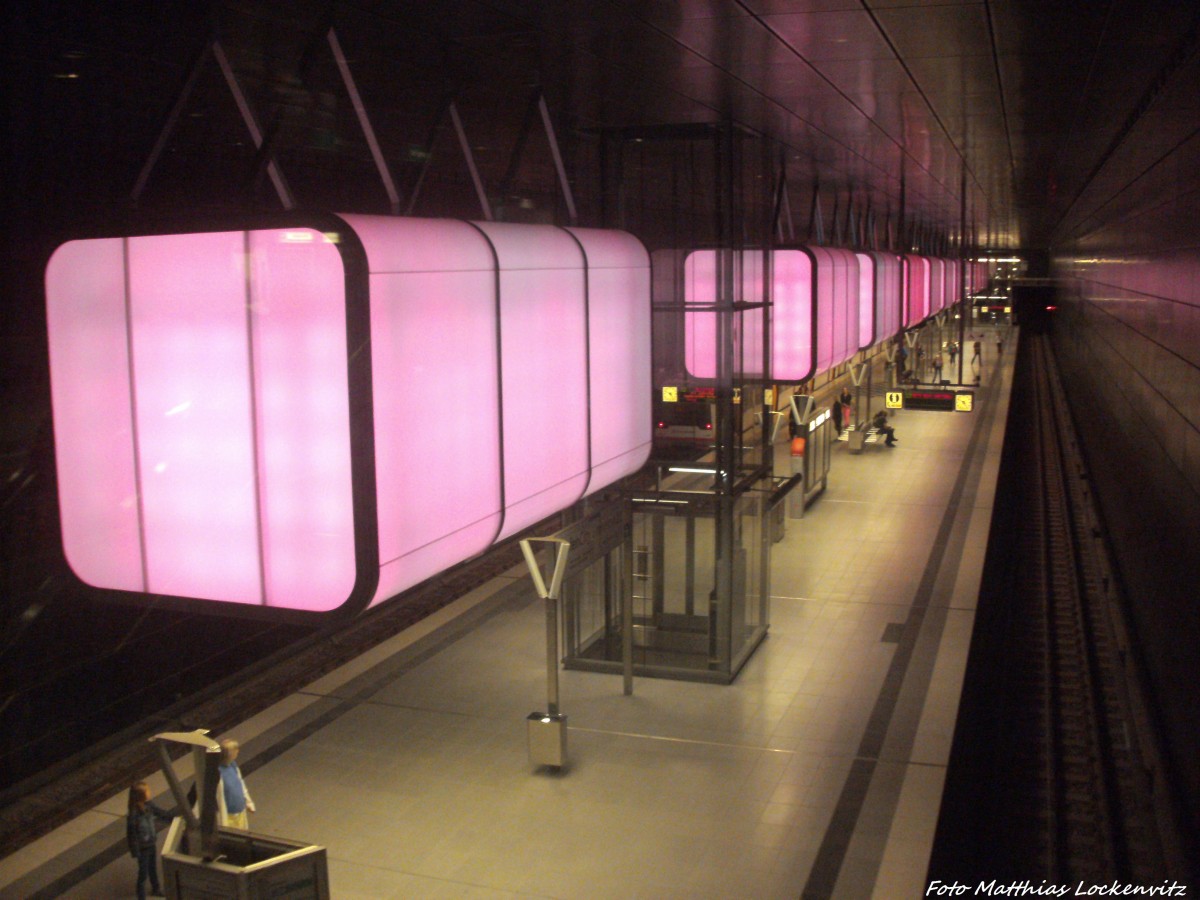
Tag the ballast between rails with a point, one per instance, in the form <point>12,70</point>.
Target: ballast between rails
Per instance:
<point>1096,817</point>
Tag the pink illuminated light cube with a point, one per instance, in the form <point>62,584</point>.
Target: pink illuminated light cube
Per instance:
<point>888,295</point>
<point>314,413</point>
<point>917,287</point>
<point>792,333</point>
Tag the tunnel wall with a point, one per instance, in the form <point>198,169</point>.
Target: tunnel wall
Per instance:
<point>1127,337</point>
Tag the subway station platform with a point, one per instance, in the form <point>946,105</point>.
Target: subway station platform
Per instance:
<point>817,773</point>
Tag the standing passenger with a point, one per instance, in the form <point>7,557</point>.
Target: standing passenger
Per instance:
<point>142,837</point>
<point>937,368</point>
<point>233,800</point>
<point>847,404</point>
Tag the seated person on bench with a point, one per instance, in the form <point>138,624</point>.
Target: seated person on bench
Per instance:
<point>880,424</point>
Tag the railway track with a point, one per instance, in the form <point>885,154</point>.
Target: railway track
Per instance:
<point>1085,783</point>
<point>96,773</point>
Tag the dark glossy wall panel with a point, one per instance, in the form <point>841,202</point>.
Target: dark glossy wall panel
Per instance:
<point>1142,314</point>
<point>1127,337</point>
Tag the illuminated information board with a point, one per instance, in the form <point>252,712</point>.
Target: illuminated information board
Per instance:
<point>930,398</point>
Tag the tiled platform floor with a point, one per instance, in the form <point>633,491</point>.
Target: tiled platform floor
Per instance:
<point>817,773</point>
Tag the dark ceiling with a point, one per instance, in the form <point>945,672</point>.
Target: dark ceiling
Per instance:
<point>1052,113</point>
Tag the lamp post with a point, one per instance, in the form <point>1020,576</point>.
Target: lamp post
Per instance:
<point>548,730</point>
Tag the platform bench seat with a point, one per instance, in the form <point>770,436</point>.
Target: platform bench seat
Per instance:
<point>856,439</point>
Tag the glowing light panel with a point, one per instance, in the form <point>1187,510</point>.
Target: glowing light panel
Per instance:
<point>223,374</point>
<point>916,289</point>
<point>937,285</point>
<point>618,269</point>
<point>888,300</point>
<point>792,336</point>
<point>93,413</point>
<point>866,300</point>
<point>205,427</point>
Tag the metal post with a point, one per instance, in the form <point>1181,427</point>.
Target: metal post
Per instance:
<point>552,655</point>
<point>568,197</point>
<point>470,157</point>
<point>728,424</point>
<point>202,829</point>
<point>359,110</point>
<point>547,731</point>
<point>169,125</point>
<point>243,105</point>
<point>627,607</point>
<point>427,150</point>
<point>816,227</point>
<point>189,816</point>
<point>964,306</point>
<point>787,214</point>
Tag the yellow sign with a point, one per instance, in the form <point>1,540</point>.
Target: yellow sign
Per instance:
<point>737,395</point>
<point>964,402</point>
<point>769,396</point>
<point>894,399</point>
<point>670,395</point>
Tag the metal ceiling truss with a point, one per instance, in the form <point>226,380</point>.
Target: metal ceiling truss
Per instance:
<point>265,144</point>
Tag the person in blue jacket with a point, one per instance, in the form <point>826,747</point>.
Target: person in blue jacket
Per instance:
<point>233,800</point>
<point>142,836</point>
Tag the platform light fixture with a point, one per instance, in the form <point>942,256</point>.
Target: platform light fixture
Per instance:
<point>234,408</point>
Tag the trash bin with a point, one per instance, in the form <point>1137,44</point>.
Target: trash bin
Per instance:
<point>247,866</point>
<point>547,739</point>
<point>857,440</point>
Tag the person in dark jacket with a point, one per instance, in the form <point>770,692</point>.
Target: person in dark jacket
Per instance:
<point>142,836</point>
<point>881,425</point>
